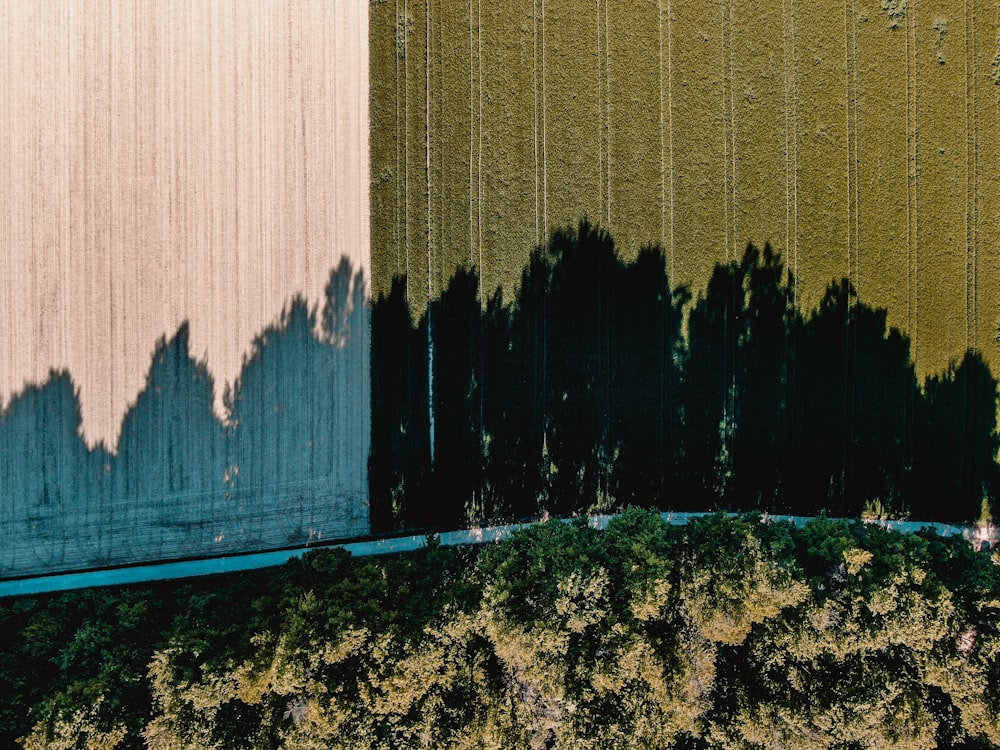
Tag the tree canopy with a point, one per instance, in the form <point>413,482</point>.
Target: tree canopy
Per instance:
<point>728,632</point>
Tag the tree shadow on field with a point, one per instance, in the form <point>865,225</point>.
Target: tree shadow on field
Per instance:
<point>585,391</point>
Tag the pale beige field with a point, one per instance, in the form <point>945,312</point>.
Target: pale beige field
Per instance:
<point>860,141</point>
<point>163,160</point>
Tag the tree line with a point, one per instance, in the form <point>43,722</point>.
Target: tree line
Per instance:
<point>598,385</point>
<point>287,465</point>
<point>726,633</point>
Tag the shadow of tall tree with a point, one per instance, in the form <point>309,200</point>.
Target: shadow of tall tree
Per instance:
<point>856,395</point>
<point>645,382</point>
<point>171,451</point>
<point>299,418</point>
<point>516,413</point>
<point>581,392</point>
<point>342,451</point>
<point>765,356</point>
<point>49,482</point>
<point>291,466</point>
<point>737,384</point>
<point>569,391</point>
<point>584,392</point>
<point>822,407</point>
<point>883,385</point>
<point>508,488</point>
<point>275,408</point>
<point>710,387</point>
<point>400,463</point>
<point>580,318</point>
<point>957,441</point>
<point>456,323</point>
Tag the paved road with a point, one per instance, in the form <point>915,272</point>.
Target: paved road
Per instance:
<point>214,566</point>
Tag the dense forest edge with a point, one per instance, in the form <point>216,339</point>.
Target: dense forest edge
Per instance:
<point>599,385</point>
<point>726,633</point>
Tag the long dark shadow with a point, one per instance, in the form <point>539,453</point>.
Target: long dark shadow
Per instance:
<point>288,466</point>
<point>596,384</point>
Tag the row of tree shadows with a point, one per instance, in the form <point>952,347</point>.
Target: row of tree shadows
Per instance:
<point>289,462</point>
<point>599,385</point>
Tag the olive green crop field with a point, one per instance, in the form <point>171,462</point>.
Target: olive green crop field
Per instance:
<point>859,138</point>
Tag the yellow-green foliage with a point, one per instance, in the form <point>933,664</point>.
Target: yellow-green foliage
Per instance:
<point>76,729</point>
<point>726,633</point>
<point>730,584</point>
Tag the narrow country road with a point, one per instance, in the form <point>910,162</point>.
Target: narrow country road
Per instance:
<point>234,563</point>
